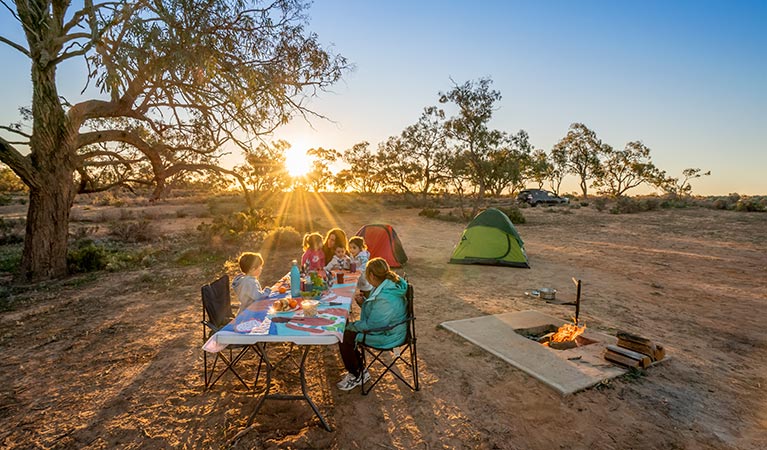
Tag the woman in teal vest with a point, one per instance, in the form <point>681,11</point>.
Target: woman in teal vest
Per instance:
<point>383,307</point>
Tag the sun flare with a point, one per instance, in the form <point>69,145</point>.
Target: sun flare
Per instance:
<point>297,162</point>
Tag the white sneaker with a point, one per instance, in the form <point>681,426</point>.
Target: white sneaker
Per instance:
<point>345,380</point>
<point>349,382</point>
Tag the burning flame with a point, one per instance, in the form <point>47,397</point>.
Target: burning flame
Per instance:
<point>568,332</point>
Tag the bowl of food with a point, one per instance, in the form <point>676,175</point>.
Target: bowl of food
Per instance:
<point>309,307</point>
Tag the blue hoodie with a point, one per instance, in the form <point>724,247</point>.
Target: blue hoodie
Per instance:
<point>385,306</point>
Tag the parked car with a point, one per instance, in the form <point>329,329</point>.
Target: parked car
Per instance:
<point>534,197</point>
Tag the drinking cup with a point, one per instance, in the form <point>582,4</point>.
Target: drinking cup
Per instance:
<point>352,267</point>
<point>340,277</point>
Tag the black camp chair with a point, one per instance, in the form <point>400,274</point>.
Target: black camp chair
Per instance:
<point>405,352</point>
<point>216,313</point>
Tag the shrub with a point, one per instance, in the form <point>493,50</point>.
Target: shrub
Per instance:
<point>431,213</point>
<point>600,204</point>
<point>283,238</point>
<point>108,199</point>
<point>625,205</point>
<point>11,231</point>
<point>584,204</point>
<point>236,225</point>
<point>141,231</point>
<point>86,257</point>
<point>750,204</point>
<point>10,257</point>
<point>5,199</point>
<point>514,213</point>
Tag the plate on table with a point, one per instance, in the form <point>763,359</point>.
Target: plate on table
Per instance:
<point>287,311</point>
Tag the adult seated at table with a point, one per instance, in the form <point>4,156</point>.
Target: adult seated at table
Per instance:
<point>334,238</point>
<point>384,306</point>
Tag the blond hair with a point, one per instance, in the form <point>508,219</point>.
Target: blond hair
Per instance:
<point>379,268</point>
<point>249,261</point>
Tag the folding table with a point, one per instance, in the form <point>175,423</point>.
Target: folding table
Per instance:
<point>259,326</point>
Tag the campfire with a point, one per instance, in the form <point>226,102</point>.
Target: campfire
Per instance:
<point>568,332</point>
<point>565,337</point>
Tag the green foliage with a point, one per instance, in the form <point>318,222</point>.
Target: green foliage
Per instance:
<point>514,213</point>
<point>283,238</point>
<point>139,231</point>
<point>87,256</point>
<point>431,213</point>
<point>629,205</point>
<point>108,198</point>
<point>237,225</point>
<point>11,231</point>
<point>600,203</point>
<point>752,204</point>
<point>10,257</point>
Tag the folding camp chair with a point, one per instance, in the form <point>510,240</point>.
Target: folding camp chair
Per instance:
<point>216,313</point>
<point>404,352</point>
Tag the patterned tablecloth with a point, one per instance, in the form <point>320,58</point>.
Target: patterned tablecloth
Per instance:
<point>260,323</point>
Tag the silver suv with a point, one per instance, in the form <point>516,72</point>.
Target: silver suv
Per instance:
<point>534,197</point>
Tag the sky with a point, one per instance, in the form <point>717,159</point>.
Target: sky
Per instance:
<point>687,78</point>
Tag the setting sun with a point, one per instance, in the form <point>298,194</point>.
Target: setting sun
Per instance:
<point>297,162</point>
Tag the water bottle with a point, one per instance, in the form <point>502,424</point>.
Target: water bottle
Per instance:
<point>295,280</point>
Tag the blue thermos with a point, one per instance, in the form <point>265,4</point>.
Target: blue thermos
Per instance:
<point>295,280</point>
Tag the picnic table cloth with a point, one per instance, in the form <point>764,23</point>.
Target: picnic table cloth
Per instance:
<point>259,320</point>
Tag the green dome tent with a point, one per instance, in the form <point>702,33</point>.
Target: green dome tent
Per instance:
<point>490,239</point>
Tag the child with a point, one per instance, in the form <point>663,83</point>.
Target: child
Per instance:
<point>360,257</point>
<point>246,284</point>
<point>360,254</point>
<point>340,261</point>
<point>314,257</point>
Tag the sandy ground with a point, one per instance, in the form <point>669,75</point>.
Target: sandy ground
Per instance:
<point>114,361</point>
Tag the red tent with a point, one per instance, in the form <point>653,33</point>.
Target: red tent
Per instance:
<point>382,241</point>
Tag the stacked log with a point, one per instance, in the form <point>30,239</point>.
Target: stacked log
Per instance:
<point>634,351</point>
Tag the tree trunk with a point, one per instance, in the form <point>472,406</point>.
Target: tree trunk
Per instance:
<point>53,144</point>
<point>45,243</point>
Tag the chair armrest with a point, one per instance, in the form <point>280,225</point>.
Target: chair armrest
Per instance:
<point>210,325</point>
<point>388,327</point>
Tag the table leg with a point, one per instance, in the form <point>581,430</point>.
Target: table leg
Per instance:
<point>304,390</point>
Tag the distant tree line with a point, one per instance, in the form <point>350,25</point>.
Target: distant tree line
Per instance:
<point>461,154</point>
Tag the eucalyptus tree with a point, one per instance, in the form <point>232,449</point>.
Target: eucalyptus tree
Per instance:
<point>320,176</point>
<point>364,172</point>
<point>418,160</point>
<point>581,149</point>
<point>682,186</point>
<point>539,168</point>
<point>187,76</point>
<point>469,128</point>
<point>264,170</point>
<point>626,169</point>
<point>507,163</point>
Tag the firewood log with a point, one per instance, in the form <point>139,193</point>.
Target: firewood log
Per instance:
<point>634,338</point>
<point>620,359</point>
<point>644,360</point>
<point>649,350</point>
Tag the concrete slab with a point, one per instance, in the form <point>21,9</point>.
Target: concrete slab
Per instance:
<point>566,371</point>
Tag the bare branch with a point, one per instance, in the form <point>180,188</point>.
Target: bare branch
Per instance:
<point>19,163</point>
<point>16,46</point>
<point>15,130</point>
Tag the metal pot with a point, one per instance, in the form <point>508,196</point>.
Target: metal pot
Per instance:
<point>547,293</point>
